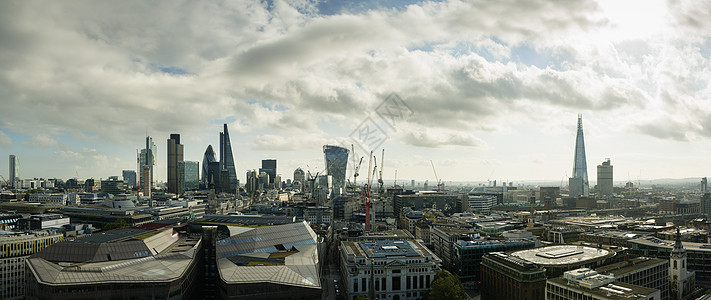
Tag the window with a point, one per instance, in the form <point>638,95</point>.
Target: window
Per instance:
<point>396,283</point>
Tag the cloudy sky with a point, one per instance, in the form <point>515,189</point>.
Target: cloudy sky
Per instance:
<point>487,89</point>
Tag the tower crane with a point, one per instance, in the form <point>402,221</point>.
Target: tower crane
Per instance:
<point>380,176</point>
<point>356,167</point>
<point>6,183</point>
<point>367,194</point>
<point>439,182</point>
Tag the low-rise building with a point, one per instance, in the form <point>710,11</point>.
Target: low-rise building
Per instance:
<point>585,283</point>
<point>390,269</point>
<point>15,248</point>
<point>641,271</point>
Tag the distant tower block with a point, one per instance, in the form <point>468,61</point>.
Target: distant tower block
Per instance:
<point>604,179</point>
<point>579,182</point>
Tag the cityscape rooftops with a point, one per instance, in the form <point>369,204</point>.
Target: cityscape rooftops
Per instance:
<point>562,254</point>
<point>380,249</point>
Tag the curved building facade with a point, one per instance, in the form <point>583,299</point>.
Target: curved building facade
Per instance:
<point>210,168</point>
<point>336,159</point>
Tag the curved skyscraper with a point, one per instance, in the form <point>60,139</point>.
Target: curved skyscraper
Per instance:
<point>336,162</point>
<point>227,162</point>
<point>578,184</point>
<point>210,168</point>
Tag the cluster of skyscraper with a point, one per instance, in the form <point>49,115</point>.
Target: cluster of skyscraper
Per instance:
<point>578,185</point>
<point>220,175</point>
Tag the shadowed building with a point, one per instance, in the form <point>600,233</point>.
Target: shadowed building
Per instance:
<point>175,155</point>
<point>227,162</point>
<point>336,160</point>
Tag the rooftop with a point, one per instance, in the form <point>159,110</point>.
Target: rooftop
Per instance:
<point>562,254</point>
<point>624,267</point>
<point>381,249</point>
<point>612,291</point>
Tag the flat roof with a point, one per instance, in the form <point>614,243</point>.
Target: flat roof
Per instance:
<point>562,254</point>
<point>614,291</point>
<point>624,267</point>
<point>387,248</point>
<point>656,242</point>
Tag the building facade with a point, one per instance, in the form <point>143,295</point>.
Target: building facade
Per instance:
<point>227,162</point>
<point>192,175</point>
<point>336,161</point>
<point>14,165</point>
<point>587,284</point>
<point>387,269</point>
<point>14,250</point>
<point>604,179</point>
<point>175,155</point>
<point>578,183</point>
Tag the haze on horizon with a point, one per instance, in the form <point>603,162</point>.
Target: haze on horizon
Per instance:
<point>494,88</point>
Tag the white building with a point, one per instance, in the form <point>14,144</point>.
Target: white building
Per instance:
<point>393,269</point>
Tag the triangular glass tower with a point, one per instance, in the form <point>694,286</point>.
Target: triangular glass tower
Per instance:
<point>227,161</point>
<point>578,184</point>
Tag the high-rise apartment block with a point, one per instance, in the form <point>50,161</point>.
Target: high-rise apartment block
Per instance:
<point>175,155</point>
<point>604,179</point>
<point>578,183</point>
<point>14,170</point>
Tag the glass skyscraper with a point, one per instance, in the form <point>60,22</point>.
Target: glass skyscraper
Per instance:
<point>210,168</point>
<point>147,158</point>
<point>578,184</point>
<point>192,176</point>
<point>227,161</point>
<point>336,159</point>
<point>14,170</point>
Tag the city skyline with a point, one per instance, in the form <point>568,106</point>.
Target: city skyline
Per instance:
<point>490,97</point>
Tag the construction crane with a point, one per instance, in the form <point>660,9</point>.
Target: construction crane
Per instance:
<point>366,189</point>
<point>6,183</point>
<point>395,181</point>
<point>380,176</point>
<point>356,167</point>
<point>439,182</point>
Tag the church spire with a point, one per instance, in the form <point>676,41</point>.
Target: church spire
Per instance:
<point>678,247</point>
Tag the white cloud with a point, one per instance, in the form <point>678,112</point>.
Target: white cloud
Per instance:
<point>5,140</point>
<point>42,140</point>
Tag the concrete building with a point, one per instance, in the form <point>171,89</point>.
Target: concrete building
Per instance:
<point>299,179</point>
<point>387,269</point>
<point>462,250</point>
<point>641,271</point>
<point>175,155</point>
<point>604,179</point>
<point>129,176</point>
<point>522,274</point>
<point>114,186</point>
<point>585,283</point>
<point>146,185</point>
<point>447,203</point>
<point>480,204</point>
<point>15,248</point>
<point>42,221</point>
<point>147,158</point>
<point>58,199</point>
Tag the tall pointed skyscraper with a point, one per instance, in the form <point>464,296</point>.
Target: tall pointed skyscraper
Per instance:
<point>578,184</point>
<point>227,161</point>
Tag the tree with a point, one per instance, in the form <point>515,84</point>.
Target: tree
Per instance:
<point>446,286</point>
<point>118,224</point>
<point>361,297</point>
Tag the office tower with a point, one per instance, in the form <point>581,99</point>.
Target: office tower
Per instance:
<point>336,160</point>
<point>175,155</point>
<point>704,185</point>
<point>210,169</point>
<point>147,158</point>
<point>14,170</point>
<point>263,179</point>
<point>578,184</point>
<point>269,166</point>
<point>299,178</point>
<point>129,176</point>
<point>146,185</point>
<point>192,176</point>
<point>252,182</point>
<point>604,179</point>
<point>227,162</point>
